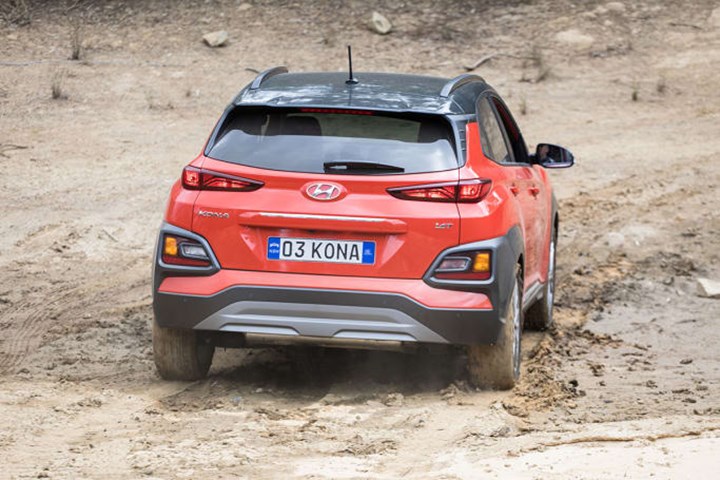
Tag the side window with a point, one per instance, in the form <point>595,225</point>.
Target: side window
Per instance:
<point>517,144</point>
<point>491,136</point>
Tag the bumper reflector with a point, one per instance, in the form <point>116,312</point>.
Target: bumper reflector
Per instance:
<point>470,265</point>
<point>184,251</point>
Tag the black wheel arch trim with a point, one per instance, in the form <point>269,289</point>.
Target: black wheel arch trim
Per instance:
<point>506,253</point>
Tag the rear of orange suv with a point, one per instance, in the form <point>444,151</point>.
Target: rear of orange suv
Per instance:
<point>333,213</point>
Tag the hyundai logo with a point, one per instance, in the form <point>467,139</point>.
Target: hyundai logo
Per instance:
<point>323,191</point>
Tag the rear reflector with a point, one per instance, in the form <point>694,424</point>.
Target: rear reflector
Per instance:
<point>471,265</point>
<point>183,251</point>
<point>464,191</point>
<point>198,179</point>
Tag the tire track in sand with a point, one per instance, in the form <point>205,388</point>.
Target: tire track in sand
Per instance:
<point>28,321</point>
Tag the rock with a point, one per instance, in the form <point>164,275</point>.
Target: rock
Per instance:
<point>216,39</point>
<point>244,6</point>
<point>394,400</point>
<point>615,239</point>
<point>617,7</point>
<point>380,24</point>
<point>708,288</point>
<point>576,39</point>
<point>714,18</point>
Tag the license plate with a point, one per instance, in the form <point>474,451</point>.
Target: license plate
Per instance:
<point>316,250</point>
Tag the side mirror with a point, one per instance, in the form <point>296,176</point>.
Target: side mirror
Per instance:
<point>553,156</point>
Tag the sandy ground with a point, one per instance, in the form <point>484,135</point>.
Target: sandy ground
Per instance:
<point>627,385</point>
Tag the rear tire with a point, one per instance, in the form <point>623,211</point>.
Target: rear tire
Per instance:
<point>498,366</point>
<point>540,315</point>
<point>180,354</point>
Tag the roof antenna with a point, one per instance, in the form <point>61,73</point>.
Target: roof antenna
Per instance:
<point>351,80</point>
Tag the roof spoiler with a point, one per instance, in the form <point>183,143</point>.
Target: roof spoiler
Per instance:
<point>458,82</point>
<point>265,75</point>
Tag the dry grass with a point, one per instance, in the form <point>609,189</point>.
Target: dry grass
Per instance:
<point>57,91</point>
<point>523,105</point>
<point>154,104</point>
<point>661,86</point>
<point>15,12</point>
<point>537,61</point>
<point>76,38</point>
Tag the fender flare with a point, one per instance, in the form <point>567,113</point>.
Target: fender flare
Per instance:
<point>517,245</point>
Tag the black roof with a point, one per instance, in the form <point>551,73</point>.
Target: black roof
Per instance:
<point>377,91</point>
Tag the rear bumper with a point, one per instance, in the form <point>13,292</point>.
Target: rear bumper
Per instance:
<point>337,307</point>
<point>332,314</point>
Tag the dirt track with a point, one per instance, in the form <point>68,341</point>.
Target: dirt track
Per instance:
<point>628,384</point>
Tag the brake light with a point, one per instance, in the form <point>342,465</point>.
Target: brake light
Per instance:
<point>343,111</point>
<point>199,179</point>
<point>471,265</point>
<point>464,191</point>
<point>178,250</point>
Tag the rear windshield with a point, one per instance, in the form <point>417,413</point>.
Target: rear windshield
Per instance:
<point>316,140</point>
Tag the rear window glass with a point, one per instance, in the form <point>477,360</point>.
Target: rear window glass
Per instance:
<point>324,141</point>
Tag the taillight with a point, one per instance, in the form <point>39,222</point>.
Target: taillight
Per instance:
<point>464,191</point>
<point>199,179</point>
<point>472,265</point>
<point>178,250</point>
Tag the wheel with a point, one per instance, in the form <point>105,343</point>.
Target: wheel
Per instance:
<point>179,354</point>
<point>540,315</point>
<point>498,366</point>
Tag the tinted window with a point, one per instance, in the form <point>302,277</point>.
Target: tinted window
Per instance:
<point>517,143</point>
<point>305,140</point>
<point>491,136</point>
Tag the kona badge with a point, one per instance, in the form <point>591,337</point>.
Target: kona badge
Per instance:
<point>323,191</point>
<point>206,213</point>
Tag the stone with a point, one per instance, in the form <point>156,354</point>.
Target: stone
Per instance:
<point>708,288</point>
<point>617,7</point>
<point>394,400</point>
<point>615,239</point>
<point>244,6</point>
<point>216,39</point>
<point>574,38</point>
<point>380,24</point>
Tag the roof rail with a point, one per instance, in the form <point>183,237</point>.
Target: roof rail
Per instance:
<point>458,82</point>
<point>265,75</point>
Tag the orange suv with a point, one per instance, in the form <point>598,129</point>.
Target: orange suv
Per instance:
<point>388,211</point>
